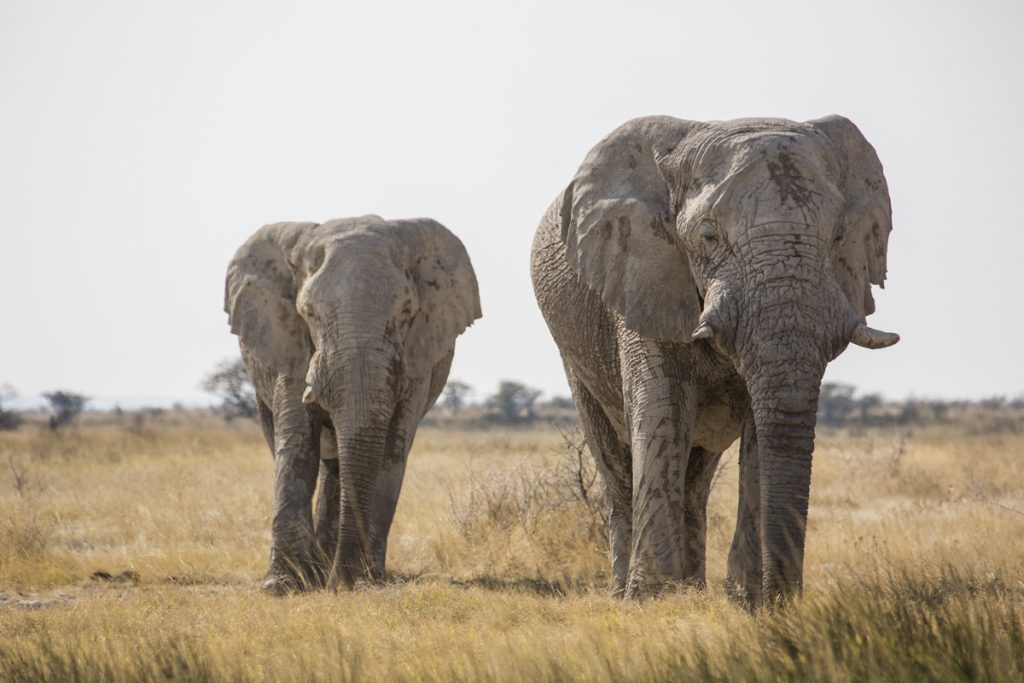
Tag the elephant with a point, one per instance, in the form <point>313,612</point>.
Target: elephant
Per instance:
<point>697,278</point>
<point>347,329</point>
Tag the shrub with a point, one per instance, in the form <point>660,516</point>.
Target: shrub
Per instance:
<point>9,420</point>
<point>513,402</point>
<point>66,406</point>
<point>538,519</point>
<point>231,383</point>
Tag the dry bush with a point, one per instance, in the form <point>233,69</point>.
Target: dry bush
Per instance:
<point>26,531</point>
<point>544,519</point>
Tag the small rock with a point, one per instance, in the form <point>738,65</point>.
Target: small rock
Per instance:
<point>127,576</point>
<point>30,604</point>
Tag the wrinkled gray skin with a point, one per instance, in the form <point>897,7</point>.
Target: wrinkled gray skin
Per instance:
<point>697,278</point>
<point>347,329</point>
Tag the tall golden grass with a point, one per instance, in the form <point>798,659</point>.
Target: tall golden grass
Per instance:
<point>135,554</point>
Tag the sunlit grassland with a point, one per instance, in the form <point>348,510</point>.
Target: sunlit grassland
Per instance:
<point>913,567</point>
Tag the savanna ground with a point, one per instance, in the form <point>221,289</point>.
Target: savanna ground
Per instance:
<point>134,552</point>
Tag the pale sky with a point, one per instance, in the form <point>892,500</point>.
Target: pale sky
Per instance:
<point>142,142</point>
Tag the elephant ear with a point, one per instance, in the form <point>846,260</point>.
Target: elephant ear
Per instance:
<point>446,290</point>
<point>618,225</point>
<point>259,299</point>
<point>860,261</point>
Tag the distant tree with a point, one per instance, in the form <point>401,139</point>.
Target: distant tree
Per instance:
<point>153,414</point>
<point>454,395</point>
<point>910,412</point>
<point>230,382</point>
<point>866,405</point>
<point>835,403</point>
<point>940,409</point>
<point>993,402</point>
<point>513,402</point>
<point>560,403</point>
<point>66,406</point>
<point>9,419</point>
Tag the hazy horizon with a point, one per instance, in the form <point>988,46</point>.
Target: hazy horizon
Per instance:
<point>141,144</point>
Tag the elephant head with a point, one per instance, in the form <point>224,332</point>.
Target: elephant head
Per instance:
<point>353,310</point>
<point>758,238</point>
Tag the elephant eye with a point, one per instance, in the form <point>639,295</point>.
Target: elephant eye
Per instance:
<point>308,311</point>
<point>840,234</point>
<point>708,234</point>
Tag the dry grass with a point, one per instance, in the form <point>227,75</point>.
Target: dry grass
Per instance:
<point>913,567</point>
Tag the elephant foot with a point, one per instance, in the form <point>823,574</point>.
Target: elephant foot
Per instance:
<point>279,586</point>
<point>638,590</point>
<point>345,579</point>
<point>287,576</point>
<point>641,587</point>
<point>743,594</point>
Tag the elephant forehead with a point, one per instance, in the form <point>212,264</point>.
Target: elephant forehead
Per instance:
<point>725,147</point>
<point>351,235</point>
<point>786,152</point>
<point>762,176</point>
<point>364,249</point>
<point>355,272</point>
<point>782,176</point>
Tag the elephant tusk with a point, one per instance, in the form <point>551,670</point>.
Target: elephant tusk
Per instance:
<point>870,338</point>
<point>308,396</point>
<point>703,331</point>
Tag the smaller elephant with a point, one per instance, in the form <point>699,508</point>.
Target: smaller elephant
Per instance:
<point>347,329</point>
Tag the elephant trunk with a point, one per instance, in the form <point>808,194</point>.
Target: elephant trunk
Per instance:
<point>358,393</point>
<point>786,346</point>
<point>360,449</point>
<point>784,418</point>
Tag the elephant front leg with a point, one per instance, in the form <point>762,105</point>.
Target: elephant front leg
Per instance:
<point>401,432</point>
<point>661,409</point>
<point>292,565</point>
<point>744,573</point>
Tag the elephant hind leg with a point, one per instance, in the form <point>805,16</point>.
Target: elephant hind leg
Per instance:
<point>328,507</point>
<point>700,472</point>
<point>614,463</point>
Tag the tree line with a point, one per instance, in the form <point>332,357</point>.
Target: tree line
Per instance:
<point>512,403</point>
<point>839,405</point>
<point>515,403</point>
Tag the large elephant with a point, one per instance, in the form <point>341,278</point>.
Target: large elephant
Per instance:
<point>697,279</point>
<point>347,329</point>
